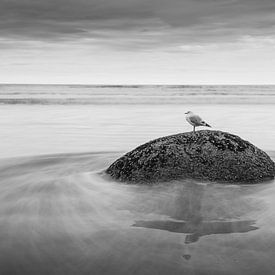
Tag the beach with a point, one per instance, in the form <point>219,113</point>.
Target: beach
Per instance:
<point>59,213</point>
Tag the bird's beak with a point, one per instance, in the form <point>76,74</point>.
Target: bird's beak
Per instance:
<point>186,113</point>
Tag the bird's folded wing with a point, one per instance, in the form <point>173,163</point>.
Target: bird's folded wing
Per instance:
<point>195,119</point>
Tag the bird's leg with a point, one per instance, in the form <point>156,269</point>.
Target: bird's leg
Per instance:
<point>194,128</point>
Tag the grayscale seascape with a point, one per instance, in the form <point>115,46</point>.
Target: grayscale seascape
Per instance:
<point>59,213</point>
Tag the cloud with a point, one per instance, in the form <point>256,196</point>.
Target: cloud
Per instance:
<point>135,24</point>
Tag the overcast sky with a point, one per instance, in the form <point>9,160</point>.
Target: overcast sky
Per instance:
<point>137,41</point>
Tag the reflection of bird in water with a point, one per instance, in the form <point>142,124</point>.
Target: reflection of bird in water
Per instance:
<point>195,120</point>
<point>186,256</point>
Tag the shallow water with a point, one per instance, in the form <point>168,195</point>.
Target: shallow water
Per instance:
<point>60,215</point>
<point>28,130</point>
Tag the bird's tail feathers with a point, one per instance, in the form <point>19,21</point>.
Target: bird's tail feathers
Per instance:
<point>207,125</point>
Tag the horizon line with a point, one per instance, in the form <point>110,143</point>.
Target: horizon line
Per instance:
<point>138,85</point>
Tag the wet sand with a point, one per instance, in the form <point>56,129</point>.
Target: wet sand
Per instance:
<point>60,215</point>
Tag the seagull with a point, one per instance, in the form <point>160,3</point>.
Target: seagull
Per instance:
<point>195,120</point>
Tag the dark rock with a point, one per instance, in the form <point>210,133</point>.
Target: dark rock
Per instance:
<point>207,155</point>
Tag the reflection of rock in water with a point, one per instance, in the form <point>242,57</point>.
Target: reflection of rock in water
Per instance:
<point>188,216</point>
<point>196,231</point>
<point>188,203</point>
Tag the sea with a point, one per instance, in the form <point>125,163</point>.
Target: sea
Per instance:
<point>59,213</point>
